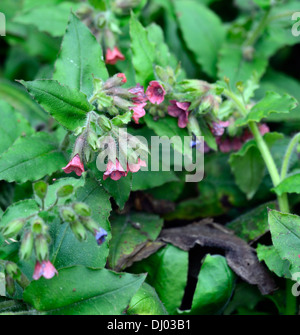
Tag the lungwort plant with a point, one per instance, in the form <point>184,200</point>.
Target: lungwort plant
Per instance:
<point>149,157</point>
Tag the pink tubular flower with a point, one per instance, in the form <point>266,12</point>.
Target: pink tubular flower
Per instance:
<point>122,75</point>
<point>138,111</point>
<point>180,110</point>
<point>135,167</point>
<point>114,171</point>
<point>140,96</point>
<point>112,56</point>
<point>155,92</point>
<point>76,165</point>
<point>45,269</point>
<point>263,129</point>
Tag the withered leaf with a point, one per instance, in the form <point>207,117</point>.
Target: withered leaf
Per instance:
<point>240,256</point>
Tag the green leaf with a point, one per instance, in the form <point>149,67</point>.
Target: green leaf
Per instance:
<point>68,106</point>
<point>31,158</point>
<point>119,189</point>
<point>129,234</point>
<point>51,19</point>
<point>248,168</point>
<point>280,83</point>
<point>271,103</point>
<point>252,224</point>
<point>146,302</point>
<point>214,287</point>
<point>66,250</point>
<point>83,291</point>
<point>80,58</point>
<point>12,126</point>
<point>286,237</point>
<point>202,31</point>
<point>167,273</point>
<point>290,184</point>
<point>234,66</point>
<point>16,96</point>
<point>143,52</point>
<point>21,209</point>
<point>270,256</point>
<point>248,165</point>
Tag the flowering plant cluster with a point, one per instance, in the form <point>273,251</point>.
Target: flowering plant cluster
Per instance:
<point>101,104</point>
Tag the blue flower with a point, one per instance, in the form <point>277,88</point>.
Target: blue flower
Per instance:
<point>100,236</point>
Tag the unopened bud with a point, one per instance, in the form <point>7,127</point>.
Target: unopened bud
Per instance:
<point>65,191</point>
<point>41,248</point>
<point>67,214</point>
<point>194,85</point>
<point>78,230</point>
<point>122,103</point>
<point>13,270</point>
<point>40,189</point>
<point>26,246</point>
<point>90,224</point>
<point>92,139</point>
<point>82,209</point>
<point>104,123</point>
<point>10,285</point>
<point>38,225</point>
<point>117,80</point>
<point>13,228</point>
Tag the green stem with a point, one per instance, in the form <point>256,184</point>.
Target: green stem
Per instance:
<point>287,156</point>
<point>259,29</point>
<point>291,300</point>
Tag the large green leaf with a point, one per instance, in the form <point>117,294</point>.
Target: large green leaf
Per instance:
<point>31,158</point>
<point>86,291</point>
<point>271,103</point>
<point>80,58</point>
<point>234,66</point>
<point>286,237</point>
<point>68,106</point>
<point>270,256</point>
<point>167,273</point>
<point>52,19</point>
<point>129,234</point>
<point>12,126</point>
<point>146,302</point>
<point>214,287</point>
<point>143,52</point>
<point>202,31</point>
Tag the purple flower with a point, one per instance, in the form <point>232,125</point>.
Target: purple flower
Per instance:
<point>140,96</point>
<point>100,235</point>
<point>180,110</point>
<point>218,127</point>
<point>114,171</point>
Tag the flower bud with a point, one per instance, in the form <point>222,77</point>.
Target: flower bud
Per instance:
<point>82,209</point>
<point>90,224</point>
<point>104,123</point>
<point>13,228</point>
<point>40,189</point>
<point>78,230</point>
<point>117,80</point>
<point>67,214</point>
<point>65,191</point>
<point>13,270</point>
<point>38,225</point>
<point>194,86</point>
<point>41,248</point>
<point>26,246</point>
<point>122,103</point>
<point>92,139</point>
<point>10,285</point>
